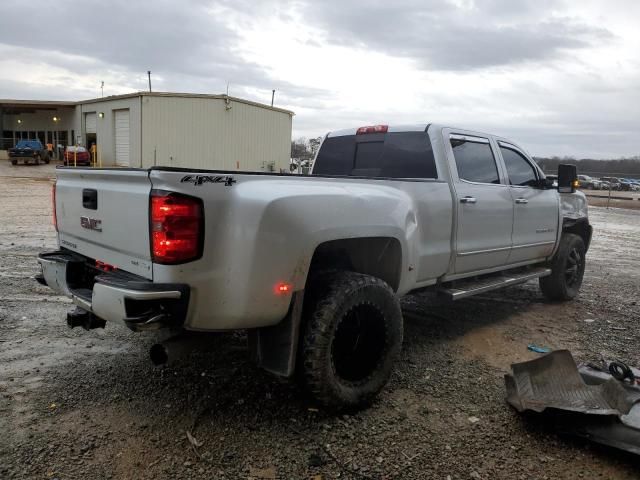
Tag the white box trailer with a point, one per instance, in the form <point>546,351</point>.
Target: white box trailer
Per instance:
<point>148,129</point>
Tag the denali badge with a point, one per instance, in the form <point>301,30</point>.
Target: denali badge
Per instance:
<point>91,223</point>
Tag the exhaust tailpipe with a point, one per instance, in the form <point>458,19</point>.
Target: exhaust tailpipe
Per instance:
<point>159,354</point>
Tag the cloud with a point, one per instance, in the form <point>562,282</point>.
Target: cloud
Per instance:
<point>455,35</point>
<point>162,36</point>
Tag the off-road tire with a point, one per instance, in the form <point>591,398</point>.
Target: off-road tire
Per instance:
<point>567,270</point>
<point>342,364</point>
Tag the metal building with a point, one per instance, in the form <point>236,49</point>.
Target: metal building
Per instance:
<point>47,121</point>
<point>166,129</point>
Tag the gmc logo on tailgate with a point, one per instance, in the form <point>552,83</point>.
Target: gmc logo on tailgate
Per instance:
<point>91,223</point>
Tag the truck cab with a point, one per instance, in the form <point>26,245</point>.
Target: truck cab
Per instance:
<point>504,212</point>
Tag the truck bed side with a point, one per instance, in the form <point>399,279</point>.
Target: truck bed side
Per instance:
<point>263,230</point>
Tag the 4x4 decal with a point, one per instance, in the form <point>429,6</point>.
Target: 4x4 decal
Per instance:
<point>200,179</point>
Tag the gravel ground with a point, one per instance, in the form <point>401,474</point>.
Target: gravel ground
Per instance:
<point>76,404</point>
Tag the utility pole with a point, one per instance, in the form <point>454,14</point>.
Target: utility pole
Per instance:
<point>102,89</point>
<point>273,94</point>
<point>149,75</point>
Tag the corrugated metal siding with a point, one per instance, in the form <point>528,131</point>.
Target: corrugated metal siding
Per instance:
<point>105,127</point>
<point>203,133</point>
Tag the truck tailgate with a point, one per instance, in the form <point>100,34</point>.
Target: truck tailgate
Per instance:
<point>104,215</point>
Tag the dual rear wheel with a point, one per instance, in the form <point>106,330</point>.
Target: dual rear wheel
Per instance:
<point>351,338</point>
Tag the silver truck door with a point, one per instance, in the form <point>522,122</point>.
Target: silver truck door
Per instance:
<point>536,209</point>
<point>483,201</point>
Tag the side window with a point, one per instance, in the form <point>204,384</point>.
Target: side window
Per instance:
<point>520,171</point>
<point>475,161</point>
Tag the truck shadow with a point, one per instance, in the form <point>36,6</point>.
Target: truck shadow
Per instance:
<point>236,411</point>
<point>221,373</point>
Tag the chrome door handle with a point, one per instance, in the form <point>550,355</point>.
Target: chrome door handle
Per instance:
<point>468,200</point>
<point>522,201</point>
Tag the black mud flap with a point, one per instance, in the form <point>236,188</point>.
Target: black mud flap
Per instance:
<point>274,348</point>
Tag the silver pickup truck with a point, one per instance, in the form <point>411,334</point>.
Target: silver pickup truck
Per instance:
<point>312,266</point>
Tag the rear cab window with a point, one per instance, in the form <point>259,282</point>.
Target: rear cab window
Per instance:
<point>378,155</point>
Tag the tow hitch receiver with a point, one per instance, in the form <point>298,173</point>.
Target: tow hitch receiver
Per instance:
<point>79,317</point>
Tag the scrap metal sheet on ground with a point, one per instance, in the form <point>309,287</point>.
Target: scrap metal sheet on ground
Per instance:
<point>603,409</point>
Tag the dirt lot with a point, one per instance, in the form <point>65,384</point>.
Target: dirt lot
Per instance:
<point>76,404</point>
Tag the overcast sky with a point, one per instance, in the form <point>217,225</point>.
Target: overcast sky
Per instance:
<point>559,77</point>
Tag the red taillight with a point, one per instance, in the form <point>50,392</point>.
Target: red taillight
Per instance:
<point>53,205</point>
<point>373,129</point>
<point>176,227</point>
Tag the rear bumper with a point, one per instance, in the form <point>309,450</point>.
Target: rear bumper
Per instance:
<point>118,297</point>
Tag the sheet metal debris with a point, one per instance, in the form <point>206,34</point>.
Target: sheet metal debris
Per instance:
<point>585,401</point>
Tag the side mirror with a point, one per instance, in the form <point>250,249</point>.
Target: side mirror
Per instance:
<point>567,178</point>
<point>548,184</point>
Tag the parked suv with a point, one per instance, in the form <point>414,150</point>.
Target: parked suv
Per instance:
<point>613,182</point>
<point>630,184</point>
<point>587,182</point>
<point>76,156</point>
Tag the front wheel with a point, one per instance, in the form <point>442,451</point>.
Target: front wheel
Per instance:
<point>351,338</point>
<point>14,162</point>
<point>567,270</point>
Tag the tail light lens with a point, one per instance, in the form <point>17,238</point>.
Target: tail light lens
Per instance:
<point>53,206</point>
<point>176,227</point>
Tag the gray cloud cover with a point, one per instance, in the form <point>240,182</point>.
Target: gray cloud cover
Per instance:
<point>181,37</point>
<point>525,60</point>
<point>440,35</point>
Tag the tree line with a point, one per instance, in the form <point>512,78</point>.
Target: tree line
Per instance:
<point>304,149</point>
<point>621,167</point>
